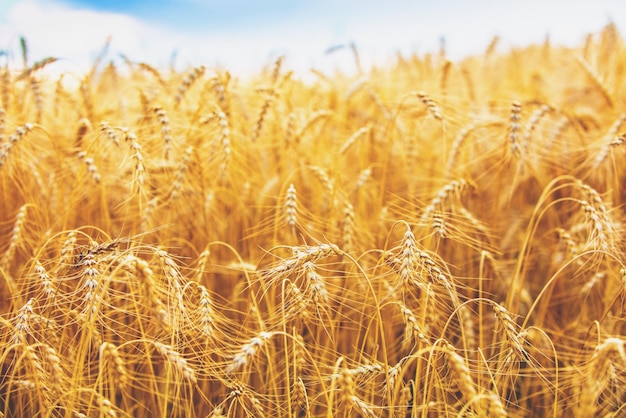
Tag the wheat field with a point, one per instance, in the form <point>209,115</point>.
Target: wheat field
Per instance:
<point>431,238</point>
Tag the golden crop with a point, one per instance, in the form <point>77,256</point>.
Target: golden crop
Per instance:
<point>431,238</point>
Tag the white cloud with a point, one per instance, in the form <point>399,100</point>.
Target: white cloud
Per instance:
<point>75,36</point>
<point>379,29</point>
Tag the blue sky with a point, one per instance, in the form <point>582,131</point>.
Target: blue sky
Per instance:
<point>242,35</point>
<point>198,14</point>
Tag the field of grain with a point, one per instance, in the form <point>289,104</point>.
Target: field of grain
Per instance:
<point>426,239</point>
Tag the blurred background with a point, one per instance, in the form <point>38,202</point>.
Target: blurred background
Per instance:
<point>243,35</point>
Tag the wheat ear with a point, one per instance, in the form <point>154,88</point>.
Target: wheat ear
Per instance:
<point>14,139</point>
<point>248,351</point>
<point>177,360</point>
<point>515,126</point>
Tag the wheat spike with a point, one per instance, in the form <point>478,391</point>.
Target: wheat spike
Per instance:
<point>610,140</point>
<point>515,126</point>
<point>432,107</point>
<point>248,351</point>
<point>16,237</point>
<point>110,353</point>
<point>463,376</point>
<point>166,130</point>
<point>14,139</point>
<point>600,368</point>
<point>188,80</point>
<point>177,360</point>
<point>291,207</point>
